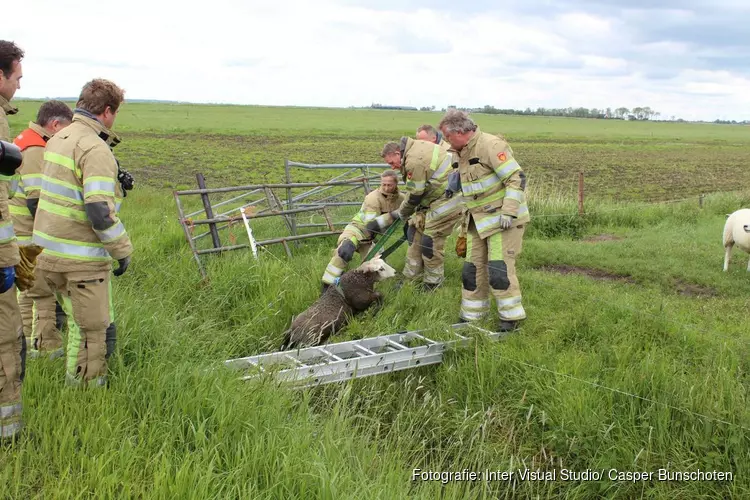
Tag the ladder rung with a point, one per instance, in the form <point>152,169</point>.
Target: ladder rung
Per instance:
<point>329,354</point>
<point>395,344</point>
<point>423,338</point>
<point>364,349</point>
<point>297,361</point>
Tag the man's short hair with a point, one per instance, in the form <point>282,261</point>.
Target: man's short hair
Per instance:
<point>389,173</point>
<point>97,94</point>
<point>456,122</point>
<point>429,129</point>
<point>53,110</point>
<point>390,148</point>
<point>9,53</point>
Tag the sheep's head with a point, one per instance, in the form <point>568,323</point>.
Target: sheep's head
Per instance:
<point>378,266</point>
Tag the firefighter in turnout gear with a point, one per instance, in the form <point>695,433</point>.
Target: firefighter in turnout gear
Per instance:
<point>431,210</point>
<point>12,341</point>
<point>78,226</point>
<point>430,133</point>
<point>355,236</point>
<point>493,187</point>
<point>42,316</point>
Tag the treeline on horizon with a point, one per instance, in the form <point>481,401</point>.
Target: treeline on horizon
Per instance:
<point>638,113</point>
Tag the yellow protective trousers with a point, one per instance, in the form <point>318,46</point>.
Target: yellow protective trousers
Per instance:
<point>12,365</point>
<point>87,301</point>
<point>491,266</point>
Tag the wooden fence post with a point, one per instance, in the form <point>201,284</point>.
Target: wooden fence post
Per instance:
<point>580,193</point>
<point>209,211</point>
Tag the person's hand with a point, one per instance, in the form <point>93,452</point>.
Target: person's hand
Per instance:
<point>505,221</point>
<point>7,278</point>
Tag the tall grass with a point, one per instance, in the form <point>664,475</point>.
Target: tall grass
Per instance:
<point>604,375</point>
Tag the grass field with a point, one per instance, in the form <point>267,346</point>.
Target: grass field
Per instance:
<point>634,356</point>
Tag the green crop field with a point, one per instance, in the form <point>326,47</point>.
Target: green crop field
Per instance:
<point>634,357</point>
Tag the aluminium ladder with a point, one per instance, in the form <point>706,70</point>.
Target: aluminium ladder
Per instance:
<point>336,362</point>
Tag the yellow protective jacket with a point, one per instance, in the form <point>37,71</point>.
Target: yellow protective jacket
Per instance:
<point>375,204</point>
<point>31,142</point>
<point>8,247</point>
<point>77,221</point>
<point>425,167</point>
<point>492,183</point>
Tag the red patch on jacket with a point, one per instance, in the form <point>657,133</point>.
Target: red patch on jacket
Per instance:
<point>501,156</point>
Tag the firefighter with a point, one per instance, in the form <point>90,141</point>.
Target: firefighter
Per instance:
<point>42,316</point>
<point>78,226</point>
<point>431,134</point>
<point>355,237</point>
<point>493,187</point>
<point>12,341</point>
<point>432,212</point>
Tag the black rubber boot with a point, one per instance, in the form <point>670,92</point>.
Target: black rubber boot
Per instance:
<point>508,326</point>
<point>323,288</point>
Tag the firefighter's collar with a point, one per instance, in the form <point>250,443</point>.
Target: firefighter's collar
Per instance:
<point>473,141</point>
<point>7,106</point>
<point>103,132</point>
<point>392,195</point>
<point>40,130</point>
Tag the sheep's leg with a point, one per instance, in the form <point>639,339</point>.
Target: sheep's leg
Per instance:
<point>727,254</point>
<point>748,266</point>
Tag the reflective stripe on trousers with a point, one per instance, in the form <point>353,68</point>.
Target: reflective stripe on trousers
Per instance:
<point>10,419</point>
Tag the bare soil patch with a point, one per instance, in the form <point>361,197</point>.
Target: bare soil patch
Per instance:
<point>694,290</point>
<point>597,274</point>
<point>681,287</point>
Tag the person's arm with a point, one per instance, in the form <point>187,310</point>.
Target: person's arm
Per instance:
<point>99,171</point>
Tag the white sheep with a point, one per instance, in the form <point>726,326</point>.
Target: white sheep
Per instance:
<point>737,232</point>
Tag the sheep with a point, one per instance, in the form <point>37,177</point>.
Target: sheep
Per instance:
<point>737,232</point>
<point>353,294</point>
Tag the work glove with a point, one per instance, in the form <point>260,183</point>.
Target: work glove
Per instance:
<point>381,222</point>
<point>454,184</point>
<point>126,180</point>
<point>124,263</point>
<point>505,221</point>
<point>461,246</point>
<point>7,278</point>
<point>419,220</point>
<point>25,268</point>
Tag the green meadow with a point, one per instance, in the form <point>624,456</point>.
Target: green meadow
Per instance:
<point>634,356</point>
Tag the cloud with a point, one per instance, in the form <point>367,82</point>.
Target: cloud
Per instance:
<point>680,57</point>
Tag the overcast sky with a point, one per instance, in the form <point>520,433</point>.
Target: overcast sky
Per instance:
<point>680,57</point>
